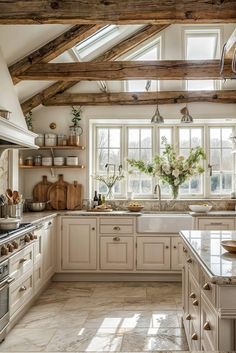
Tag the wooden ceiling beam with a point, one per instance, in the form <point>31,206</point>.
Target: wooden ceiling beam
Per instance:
<point>115,52</point>
<point>128,70</point>
<point>116,11</point>
<point>53,48</point>
<point>141,98</point>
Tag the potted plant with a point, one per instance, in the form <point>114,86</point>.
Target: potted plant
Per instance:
<point>75,129</point>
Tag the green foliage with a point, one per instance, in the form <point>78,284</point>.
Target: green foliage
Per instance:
<point>76,112</point>
<point>29,120</point>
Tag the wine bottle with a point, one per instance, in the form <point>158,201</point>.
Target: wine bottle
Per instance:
<point>95,199</point>
<point>99,199</point>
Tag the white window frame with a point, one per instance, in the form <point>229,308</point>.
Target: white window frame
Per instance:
<point>206,187</point>
<point>203,31</point>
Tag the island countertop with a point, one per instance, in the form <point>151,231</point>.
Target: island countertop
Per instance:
<point>215,260</point>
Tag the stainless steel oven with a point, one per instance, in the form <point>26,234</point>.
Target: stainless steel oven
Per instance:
<point>5,281</point>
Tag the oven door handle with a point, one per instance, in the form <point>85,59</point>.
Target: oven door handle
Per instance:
<point>7,281</point>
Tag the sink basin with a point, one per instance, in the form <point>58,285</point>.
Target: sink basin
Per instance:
<point>164,223</point>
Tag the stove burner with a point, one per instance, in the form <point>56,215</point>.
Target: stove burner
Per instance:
<point>5,233</point>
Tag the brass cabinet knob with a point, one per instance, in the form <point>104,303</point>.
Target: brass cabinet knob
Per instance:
<point>207,326</point>
<point>116,228</point>
<point>184,249</point>
<point>116,239</point>
<point>22,260</point>
<point>175,247</point>
<point>167,247</point>
<point>189,261</point>
<point>93,228</point>
<point>206,286</point>
<point>4,250</point>
<point>192,295</point>
<point>195,302</point>
<point>194,337</point>
<point>22,289</point>
<point>188,317</point>
<point>15,244</point>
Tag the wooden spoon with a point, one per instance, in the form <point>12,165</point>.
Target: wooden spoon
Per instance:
<point>9,195</point>
<point>16,197</point>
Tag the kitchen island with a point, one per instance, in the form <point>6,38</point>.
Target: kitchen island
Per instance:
<point>209,290</point>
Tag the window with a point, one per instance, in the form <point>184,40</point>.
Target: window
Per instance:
<point>108,150</point>
<point>221,160</point>
<point>115,143</point>
<point>201,45</point>
<point>190,138</point>
<point>140,147</point>
<point>150,52</point>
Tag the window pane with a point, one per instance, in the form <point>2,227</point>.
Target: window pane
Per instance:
<point>196,137</point>
<point>201,46</point>
<point>195,185</point>
<point>226,133</point>
<point>227,183</point>
<point>199,85</point>
<point>184,138</point>
<point>146,138</point>
<point>146,155</point>
<point>215,183</point>
<point>146,185</point>
<point>114,138</point>
<point>102,137</point>
<point>215,159</point>
<point>227,162</point>
<point>167,133</point>
<point>215,137</point>
<point>133,138</point>
<point>102,159</point>
<point>114,156</point>
<point>133,153</point>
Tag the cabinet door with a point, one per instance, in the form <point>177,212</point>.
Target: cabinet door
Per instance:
<point>208,326</point>
<point>176,253</point>
<point>49,250</point>
<point>21,291</point>
<point>153,253</point>
<point>79,244</point>
<point>216,223</point>
<point>116,253</point>
<point>38,245</point>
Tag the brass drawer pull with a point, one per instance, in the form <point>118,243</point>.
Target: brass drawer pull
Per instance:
<point>207,326</point>
<point>185,250</point>
<point>188,317</point>
<point>192,295</point>
<point>175,247</point>
<point>22,260</point>
<point>116,239</point>
<point>93,228</point>
<point>206,286</point>
<point>194,336</point>
<point>116,228</point>
<point>167,247</point>
<point>216,224</point>
<point>195,302</point>
<point>22,289</point>
<point>189,261</point>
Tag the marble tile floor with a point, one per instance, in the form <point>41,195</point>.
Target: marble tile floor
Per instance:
<point>102,317</point>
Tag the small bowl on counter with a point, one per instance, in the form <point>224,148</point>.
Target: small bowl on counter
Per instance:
<point>135,207</point>
<point>9,223</point>
<point>200,208</point>
<point>229,245</point>
<point>37,206</point>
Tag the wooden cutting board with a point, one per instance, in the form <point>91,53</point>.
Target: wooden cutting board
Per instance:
<point>57,194</point>
<point>74,201</point>
<point>40,190</point>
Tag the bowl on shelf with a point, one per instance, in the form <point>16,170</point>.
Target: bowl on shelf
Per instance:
<point>200,208</point>
<point>229,245</point>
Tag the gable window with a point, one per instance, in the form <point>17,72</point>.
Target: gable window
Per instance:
<point>147,53</point>
<point>201,45</point>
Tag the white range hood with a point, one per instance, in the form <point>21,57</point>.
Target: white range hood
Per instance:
<point>13,132</point>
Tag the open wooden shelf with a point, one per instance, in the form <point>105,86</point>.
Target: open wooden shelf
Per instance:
<point>62,148</point>
<point>51,167</point>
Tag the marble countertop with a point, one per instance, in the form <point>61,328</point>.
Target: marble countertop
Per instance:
<point>217,262</point>
<point>214,214</point>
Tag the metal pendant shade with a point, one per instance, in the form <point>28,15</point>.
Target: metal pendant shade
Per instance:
<point>186,118</point>
<point>157,118</point>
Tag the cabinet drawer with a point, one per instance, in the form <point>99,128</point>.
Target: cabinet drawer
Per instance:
<point>208,288</point>
<point>195,338</point>
<point>116,229</point>
<point>21,262</point>
<point>208,326</point>
<point>21,291</point>
<point>216,223</point>
<point>38,276</point>
<point>116,221</point>
<point>38,246</point>
<point>116,253</point>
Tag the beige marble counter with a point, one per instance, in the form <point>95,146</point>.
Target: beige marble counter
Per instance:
<point>214,214</point>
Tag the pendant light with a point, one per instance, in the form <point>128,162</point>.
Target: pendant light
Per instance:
<point>157,118</point>
<point>186,118</point>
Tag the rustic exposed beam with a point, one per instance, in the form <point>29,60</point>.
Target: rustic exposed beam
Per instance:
<point>53,48</point>
<point>115,52</point>
<point>230,46</point>
<point>141,98</point>
<point>117,11</point>
<point>126,70</point>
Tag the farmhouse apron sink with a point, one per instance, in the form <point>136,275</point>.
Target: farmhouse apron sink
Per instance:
<point>164,223</point>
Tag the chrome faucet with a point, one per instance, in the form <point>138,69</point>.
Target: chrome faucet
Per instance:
<point>157,194</point>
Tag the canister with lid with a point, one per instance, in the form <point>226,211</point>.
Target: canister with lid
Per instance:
<point>72,160</point>
<point>39,141</point>
<point>29,161</point>
<point>50,140</point>
<point>38,160</point>
<point>47,161</point>
<point>59,161</point>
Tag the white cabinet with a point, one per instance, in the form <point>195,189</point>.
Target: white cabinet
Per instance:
<point>153,253</point>
<point>21,262</point>
<point>213,223</point>
<point>116,252</point>
<point>176,253</point>
<point>21,291</point>
<point>79,244</point>
<point>49,249</point>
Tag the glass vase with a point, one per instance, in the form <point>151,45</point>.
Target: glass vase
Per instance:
<point>110,193</point>
<point>174,191</point>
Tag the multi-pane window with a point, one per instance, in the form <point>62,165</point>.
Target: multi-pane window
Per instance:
<point>108,148</point>
<point>150,52</point>
<point>201,45</point>
<point>221,160</point>
<point>140,147</point>
<point>190,137</point>
<point>113,144</point>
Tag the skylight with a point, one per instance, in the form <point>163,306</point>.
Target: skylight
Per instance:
<point>201,45</point>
